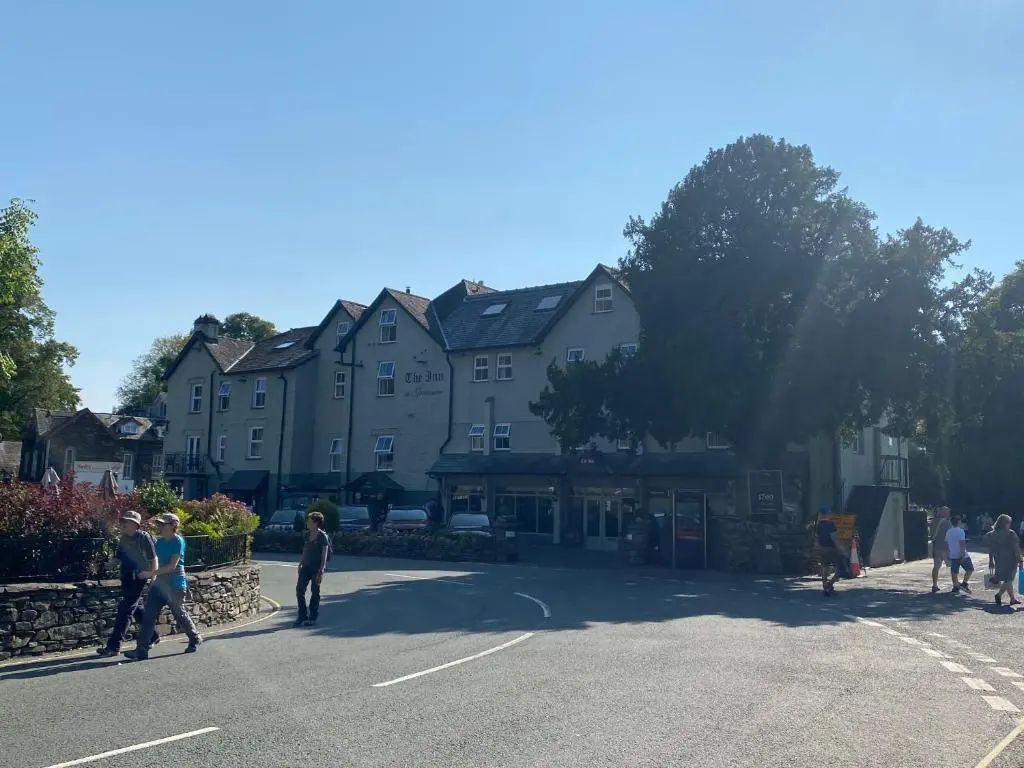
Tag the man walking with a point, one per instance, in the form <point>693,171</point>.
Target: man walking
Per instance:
<point>137,554</point>
<point>1005,553</point>
<point>956,542</point>
<point>312,565</point>
<point>168,588</point>
<point>940,553</point>
<point>832,552</point>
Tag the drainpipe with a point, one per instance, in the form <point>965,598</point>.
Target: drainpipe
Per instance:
<point>209,430</point>
<point>280,437</point>
<point>451,399</point>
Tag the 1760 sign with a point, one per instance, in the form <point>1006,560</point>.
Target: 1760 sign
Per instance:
<point>765,493</point>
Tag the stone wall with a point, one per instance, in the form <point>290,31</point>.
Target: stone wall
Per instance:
<point>46,618</point>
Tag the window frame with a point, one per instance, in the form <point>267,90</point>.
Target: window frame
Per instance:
<point>222,447</point>
<point>347,325</point>
<point>191,440</point>
<point>249,455</point>
<point>502,431</point>
<point>224,396</point>
<point>485,369</point>
<point>499,367</point>
<point>384,453</point>
<point>391,324</point>
<point>600,301</point>
<point>569,355</point>
<point>340,380</point>
<point>195,397</point>
<point>628,349</point>
<point>338,454</point>
<point>127,465</point>
<point>714,442</point>
<point>382,378</point>
<point>477,438</point>
<point>257,391</point>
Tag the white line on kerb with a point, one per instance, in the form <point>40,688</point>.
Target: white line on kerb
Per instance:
<point>474,657</point>
<point>123,750</point>
<point>541,603</point>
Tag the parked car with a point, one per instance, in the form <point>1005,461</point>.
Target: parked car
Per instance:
<point>282,520</point>
<point>469,524</point>
<point>406,520</point>
<point>354,519</point>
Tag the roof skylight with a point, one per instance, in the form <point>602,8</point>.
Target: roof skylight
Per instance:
<point>494,309</point>
<point>548,302</point>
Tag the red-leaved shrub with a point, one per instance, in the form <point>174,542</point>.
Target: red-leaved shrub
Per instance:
<point>67,509</point>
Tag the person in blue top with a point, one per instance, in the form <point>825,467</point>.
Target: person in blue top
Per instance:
<point>168,588</point>
<point>832,552</point>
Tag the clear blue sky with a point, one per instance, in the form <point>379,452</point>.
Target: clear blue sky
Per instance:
<point>273,157</point>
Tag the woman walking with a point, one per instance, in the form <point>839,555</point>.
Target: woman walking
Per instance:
<point>1004,551</point>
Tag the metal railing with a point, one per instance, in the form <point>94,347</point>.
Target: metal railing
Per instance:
<point>893,471</point>
<point>184,464</point>
<point>55,558</point>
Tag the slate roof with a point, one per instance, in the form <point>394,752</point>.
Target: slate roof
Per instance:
<point>45,422</point>
<point>519,323</point>
<point>284,350</point>
<point>354,310</point>
<point>225,351</point>
<point>416,306</point>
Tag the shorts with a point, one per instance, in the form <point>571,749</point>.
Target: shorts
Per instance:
<point>956,563</point>
<point>939,556</point>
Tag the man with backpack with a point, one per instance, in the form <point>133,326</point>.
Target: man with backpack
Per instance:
<point>832,552</point>
<point>312,565</point>
<point>137,555</point>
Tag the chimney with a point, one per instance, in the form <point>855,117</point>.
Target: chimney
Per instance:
<point>208,325</point>
<point>408,289</point>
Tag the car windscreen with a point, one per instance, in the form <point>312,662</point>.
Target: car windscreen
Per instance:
<point>283,516</point>
<point>407,515</point>
<point>469,521</point>
<point>354,513</point>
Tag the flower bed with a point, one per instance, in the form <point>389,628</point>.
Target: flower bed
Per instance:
<point>437,546</point>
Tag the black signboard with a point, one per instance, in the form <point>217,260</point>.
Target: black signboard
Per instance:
<point>765,493</point>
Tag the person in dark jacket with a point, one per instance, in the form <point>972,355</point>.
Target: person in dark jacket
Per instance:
<point>1005,553</point>
<point>137,555</point>
<point>312,564</point>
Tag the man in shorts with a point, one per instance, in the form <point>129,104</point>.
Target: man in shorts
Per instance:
<point>832,552</point>
<point>956,542</point>
<point>940,553</point>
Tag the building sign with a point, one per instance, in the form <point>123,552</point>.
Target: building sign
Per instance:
<point>421,382</point>
<point>846,525</point>
<point>97,468</point>
<point>765,493</point>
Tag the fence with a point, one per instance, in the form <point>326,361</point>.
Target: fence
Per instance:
<point>52,558</point>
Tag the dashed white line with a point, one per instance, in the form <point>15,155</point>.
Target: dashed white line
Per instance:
<point>541,603</point>
<point>952,666</point>
<point>1004,672</point>
<point>977,684</point>
<point>450,664</point>
<point>983,659</point>
<point>912,641</point>
<point>134,748</point>
<point>935,654</point>
<point>1000,704</point>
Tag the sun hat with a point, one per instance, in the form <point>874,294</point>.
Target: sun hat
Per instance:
<point>168,518</point>
<point>132,516</point>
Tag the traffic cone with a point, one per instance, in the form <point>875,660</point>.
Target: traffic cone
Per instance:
<point>854,560</point>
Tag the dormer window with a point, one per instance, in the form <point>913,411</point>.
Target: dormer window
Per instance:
<point>493,309</point>
<point>130,428</point>
<point>603,298</point>
<point>388,326</point>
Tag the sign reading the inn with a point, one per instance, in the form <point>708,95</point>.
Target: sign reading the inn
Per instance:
<point>419,379</point>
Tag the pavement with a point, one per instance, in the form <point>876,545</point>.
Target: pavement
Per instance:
<point>428,664</point>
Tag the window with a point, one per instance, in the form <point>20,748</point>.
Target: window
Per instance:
<point>502,437</point>
<point>624,443</point>
<point>504,366</point>
<point>857,443</point>
<point>717,443</point>
<point>493,309</point>
<point>477,435</point>
<point>481,369</point>
<point>130,428</point>
<point>127,466</point>
<point>628,350</point>
<point>603,298</point>
<point>344,326</point>
<point>195,398</point>
<point>386,379</point>
<point>69,459</point>
<point>224,396</point>
<point>548,303</point>
<point>384,450</point>
<point>339,385</point>
<point>575,355</point>
<point>388,326</point>
<point>222,448</point>
<point>157,469</point>
<point>285,345</point>
<point>193,445</point>
<point>255,443</point>
<point>337,453</point>
<point>259,393</point>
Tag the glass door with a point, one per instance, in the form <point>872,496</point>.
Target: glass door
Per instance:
<point>689,530</point>
<point>592,522</point>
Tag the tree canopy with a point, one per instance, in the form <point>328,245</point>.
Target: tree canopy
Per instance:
<point>771,311</point>
<point>247,327</point>
<point>33,364</point>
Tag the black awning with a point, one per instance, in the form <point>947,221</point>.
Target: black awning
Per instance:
<point>246,481</point>
<point>374,482</point>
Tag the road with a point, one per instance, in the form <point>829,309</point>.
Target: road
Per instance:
<point>419,664</point>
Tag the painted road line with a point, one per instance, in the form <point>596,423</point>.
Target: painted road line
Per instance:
<point>455,663</point>
<point>935,654</point>
<point>134,748</point>
<point>952,666</point>
<point>913,641</point>
<point>1004,672</point>
<point>1000,704</point>
<point>935,634</point>
<point>977,684</point>
<point>892,632</point>
<point>1019,684</point>
<point>999,748</point>
<point>278,564</point>
<point>873,624</point>
<point>434,579</point>
<point>541,603</point>
<point>983,659</point>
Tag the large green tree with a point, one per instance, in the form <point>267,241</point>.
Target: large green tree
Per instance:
<point>247,327</point>
<point>144,381</point>
<point>770,310</point>
<point>33,364</point>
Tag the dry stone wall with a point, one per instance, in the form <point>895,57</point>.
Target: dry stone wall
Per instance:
<point>47,618</point>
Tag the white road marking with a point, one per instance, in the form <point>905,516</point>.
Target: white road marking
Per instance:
<point>952,666</point>
<point>135,748</point>
<point>892,632</point>
<point>450,664</point>
<point>1000,704</point>
<point>434,579</point>
<point>541,603</point>
<point>871,623</point>
<point>1019,684</point>
<point>273,562</point>
<point>935,654</point>
<point>684,596</point>
<point>912,641</point>
<point>1004,672</point>
<point>983,659</point>
<point>977,684</point>
<point>935,634</point>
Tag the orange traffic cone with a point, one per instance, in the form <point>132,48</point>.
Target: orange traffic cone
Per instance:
<point>854,560</point>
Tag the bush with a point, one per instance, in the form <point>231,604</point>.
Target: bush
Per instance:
<point>330,511</point>
<point>157,498</point>
<point>215,517</point>
<point>67,510</point>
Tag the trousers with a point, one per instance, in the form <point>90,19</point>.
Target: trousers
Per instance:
<point>161,594</point>
<point>307,579</point>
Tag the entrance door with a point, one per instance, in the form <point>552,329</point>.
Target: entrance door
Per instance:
<point>689,530</point>
<point>602,522</point>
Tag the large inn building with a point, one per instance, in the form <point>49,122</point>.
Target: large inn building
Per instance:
<point>413,399</point>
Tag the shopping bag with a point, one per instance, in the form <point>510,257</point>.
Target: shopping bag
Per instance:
<point>1020,582</point>
<point>990,576</point>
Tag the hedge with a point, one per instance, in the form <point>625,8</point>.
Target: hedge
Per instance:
<point>438,546</point>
